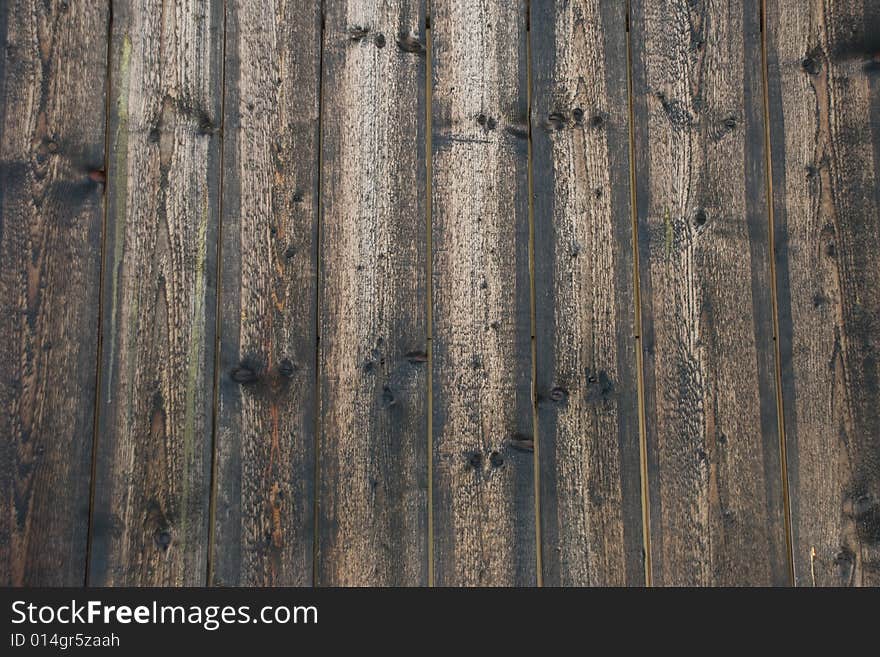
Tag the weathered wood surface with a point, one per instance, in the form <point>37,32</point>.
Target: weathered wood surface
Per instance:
<point>372,494</point>
<point>153,462</point>
<point>483,488</point>
<point>591,519</point>
<point>714,471</point>
<point>824,101</point>
<point>264,507</point>
<point>52,122</point>
<point>281,150</point>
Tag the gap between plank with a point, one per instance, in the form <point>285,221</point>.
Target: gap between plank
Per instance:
<point>536,454</point>
<point>780,417</point>
<point>316,473</point>
<point>640,375</point>
<point>430,290</point>
<point>218,282</point>
<point>100,351</point>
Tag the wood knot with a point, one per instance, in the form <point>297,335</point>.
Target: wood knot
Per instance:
<point>521,443</point>
<point>357,32</point>
<point>388,399</point>
<point>410,43</point>
<point>163,539</point>
<point>244,374</point>
<point>417,357</point>
<point>555,121</point>
<point>600,387</point>
<point>487,122</point>
<point>811,65</point>
<point>559,394</point>
<point>597,121</point>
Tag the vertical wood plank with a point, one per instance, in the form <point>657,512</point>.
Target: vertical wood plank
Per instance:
<point>824,100</point>
<point>484,525</point>
<point>373,318</point>
<point>591,522</point>
<point>52,121</point>
<point>264,509</point>
<point>713,447</point>
<point>150,516</point>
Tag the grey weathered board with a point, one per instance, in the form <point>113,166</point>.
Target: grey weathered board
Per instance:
<point>373,476</point>
<point>824,102</point>
<point>153,461</point>
<point>483,472</point>
<point>52,122</point>
<point>265,436</point>
<point>587,392</point>
<point>714,471</point>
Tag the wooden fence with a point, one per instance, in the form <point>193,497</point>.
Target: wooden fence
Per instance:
<point>488,292</point>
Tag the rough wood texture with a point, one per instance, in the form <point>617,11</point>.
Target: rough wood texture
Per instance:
<point>713,447</point>
<point>591,521</point>
<point>484,525</point>
<point>150,516</point>
<point>373,329</point>
<point>824,96</point>
<point>52,72</point>
<point>264,510</point>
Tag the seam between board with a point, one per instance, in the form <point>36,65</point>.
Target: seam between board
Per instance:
<point>429,288</point>
<point>536,455</point>
<point>316,473</point>
<point>101,289</point>
<point>640,375</point>
<point>218,281</point>
<point>774,296</point>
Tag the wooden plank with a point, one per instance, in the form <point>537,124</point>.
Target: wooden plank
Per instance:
<point>483,490</point>
<point>52,121</point>
<point>264,509</point>
<point>153,462</point>
<point>824,100</point>
<point>373,319</point>
<point>710,398</point>
<point>591,518</point>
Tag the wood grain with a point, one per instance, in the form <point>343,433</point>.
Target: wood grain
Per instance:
<point>52,121</point>
<point>264,510</point>
<point>591,521</point>
<point>373,318</point>
<point>713,446</point>
<point>153,462</point>
<point>483,489</point>
<point>824,98</point>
